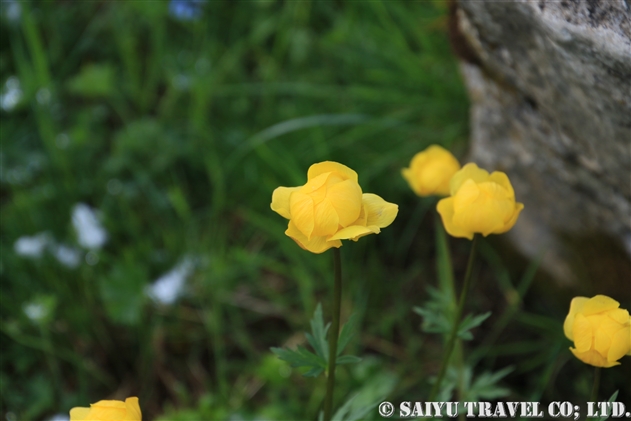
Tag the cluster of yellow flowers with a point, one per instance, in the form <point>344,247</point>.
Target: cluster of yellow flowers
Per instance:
<point>477,202</point>
<point>331,207</point>
<point>484,203</point>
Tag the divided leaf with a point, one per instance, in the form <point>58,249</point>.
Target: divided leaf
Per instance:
<point>316,363</point>
<point>469,322</point>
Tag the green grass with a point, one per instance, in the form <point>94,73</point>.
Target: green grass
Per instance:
<point>177,132</point>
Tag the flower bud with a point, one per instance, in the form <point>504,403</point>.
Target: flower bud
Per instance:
<point>430,171</point>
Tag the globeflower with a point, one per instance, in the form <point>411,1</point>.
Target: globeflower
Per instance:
<point>108,411</point>
<point>601,331</point>
<point>331,207</point>
<point>430,171</point>
<point>479,203</point>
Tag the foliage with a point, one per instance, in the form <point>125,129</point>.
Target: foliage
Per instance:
<point>318,362</point>
<point>175,129</point>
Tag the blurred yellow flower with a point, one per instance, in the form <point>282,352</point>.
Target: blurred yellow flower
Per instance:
<point>108,411</point>
<point>430,171</point>
<point>479,203</point>
<point>600,330</point>
<point>331,208</point>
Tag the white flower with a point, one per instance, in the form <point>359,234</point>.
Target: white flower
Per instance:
<point>167,288</point>
<point>32,246</point>
<point>67,256</point>
<point>90,233</point>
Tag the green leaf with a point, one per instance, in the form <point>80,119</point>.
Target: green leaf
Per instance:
<point>122,292</point>
<point>347,359</point>
<point>314,372</point>
<point>469,323</point>
<point>318,337</point>
<point>347,333</point>
<point>485,385</point>
<point>373,392</point>
<point>317,363</point>
<point>300,357</point>
<point>94,80</point>
<point>611,399</point>
<point>437,313</point>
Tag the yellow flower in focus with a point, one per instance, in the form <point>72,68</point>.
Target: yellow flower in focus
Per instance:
<point>600,330</point>
<point>331,207</point>
<point>480,203</point>
<point>108,411</point>
<point>430,171</point>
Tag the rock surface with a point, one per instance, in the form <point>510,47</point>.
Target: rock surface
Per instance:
<point>550,87</point>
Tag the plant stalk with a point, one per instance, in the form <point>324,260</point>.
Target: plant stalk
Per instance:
<point>333,333</point>
<point>596,385</point>
<point>453,335</point>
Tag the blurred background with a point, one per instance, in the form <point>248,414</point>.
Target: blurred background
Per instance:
<point>141,143</point>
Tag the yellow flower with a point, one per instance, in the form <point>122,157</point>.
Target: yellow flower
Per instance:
<point>479,203</point>
<point>331,208</point>
<point>108,411</point>
<point>600,330</point>
<point>430,171</point>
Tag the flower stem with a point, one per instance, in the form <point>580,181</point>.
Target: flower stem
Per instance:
<point>333,333</point>
<point>596,385</point>
<point>453,335</point>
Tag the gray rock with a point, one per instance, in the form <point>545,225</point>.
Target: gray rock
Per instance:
<point>551,106</point>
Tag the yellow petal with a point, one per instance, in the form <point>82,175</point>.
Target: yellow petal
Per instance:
<point>512,220</point>
<point>592,357</point>
<point>378,212</point>
<point>133,409</point>
<point>620,315</point>
<point>280,201</point>
<point>326,219</point>
<point>467,196</point>
<point>598,304</point>
<point>620,344</point>
<point>330,166</point>
<point>468,172</point>
<point>302,212</point>
<point>431,170</point>
<point>603,332</point>
<point>502,179</point>
<point>477,209</point>
<point>354,232</point>
<point>346,198</point>
<point>445,208</point>
<point>314,245</point>
<point>316,188</point>
<point>108,411</point>
<point>575,307</point>
<point>361,219</point>
<point>409,177</point>
<point>435,178</point>
<point>79,414</point>
<point>583,333</point>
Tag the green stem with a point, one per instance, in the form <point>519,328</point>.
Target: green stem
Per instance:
<point>446,278</point>
<point>333,333</point>
<point>596,385</point>
<point>453,335</point>
<point>53,364</point>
